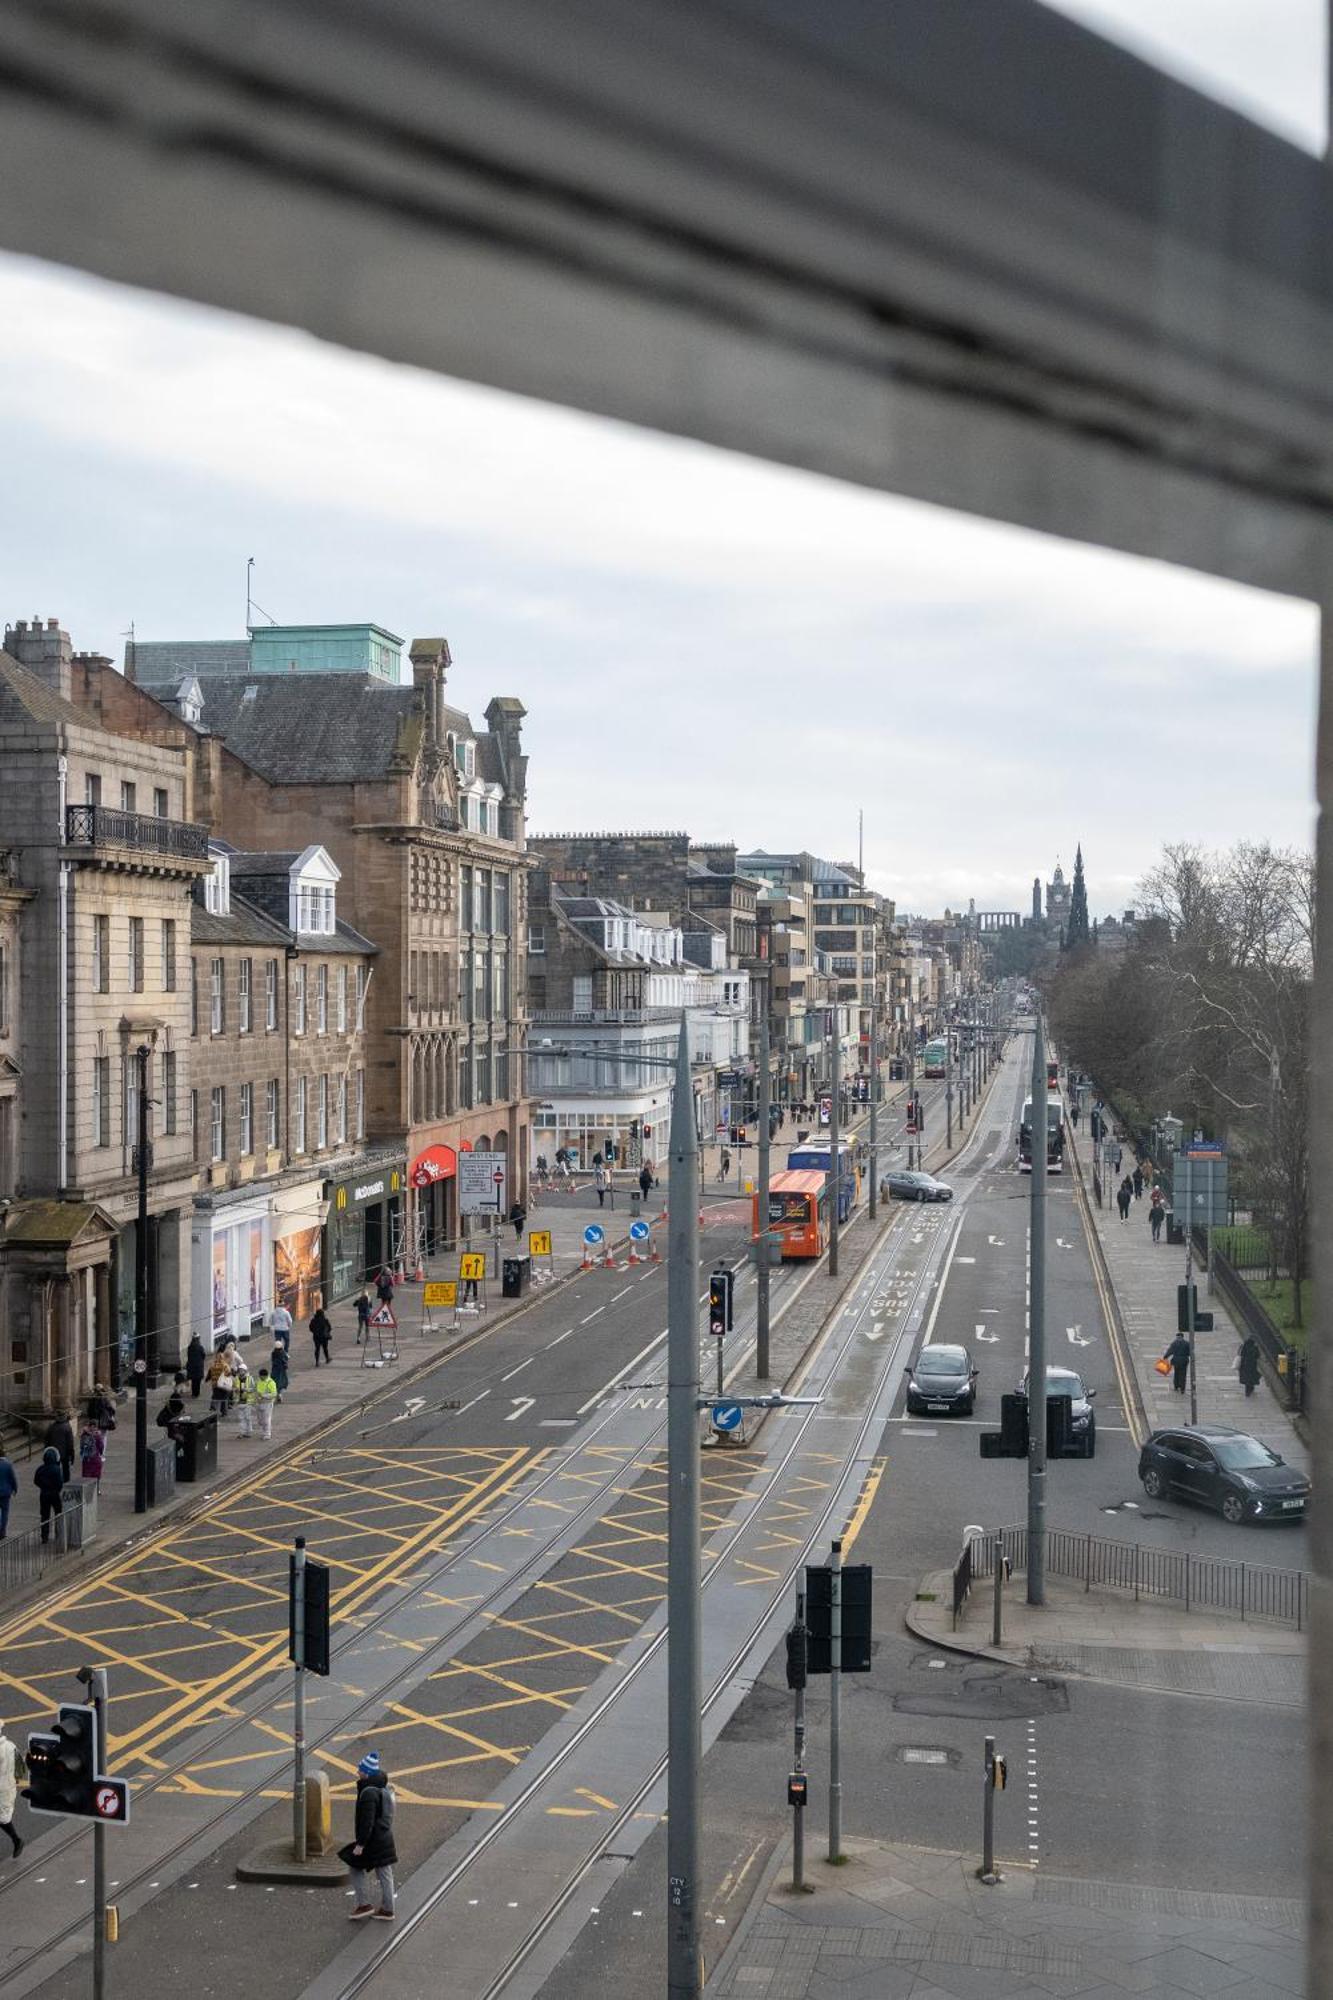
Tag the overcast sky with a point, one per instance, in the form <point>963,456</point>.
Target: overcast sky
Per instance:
<point>702,642</point>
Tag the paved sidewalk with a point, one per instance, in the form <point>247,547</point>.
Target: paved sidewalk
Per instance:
<point>1144,1277</point>
<point>316,1396</point>
<point>902,1921</point>
<point>1107,1635</point>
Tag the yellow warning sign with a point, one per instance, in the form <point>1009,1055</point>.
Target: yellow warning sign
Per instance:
<point>539,1243</point>
<point>472,1264</point>
<point>441,1293</point>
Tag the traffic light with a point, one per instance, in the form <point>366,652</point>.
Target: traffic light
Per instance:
<point>62,1766</point>
<point>720,1292</point>
<point>796,1657</point>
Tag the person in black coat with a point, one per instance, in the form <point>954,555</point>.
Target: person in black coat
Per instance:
<point>195,1363</point>
<point>1247,1364</point>
<point>49,1479</point>
<point>321,1332</point>
<point>60,1433</point>
<point>1178,1354</point>
<point>372,1847</point>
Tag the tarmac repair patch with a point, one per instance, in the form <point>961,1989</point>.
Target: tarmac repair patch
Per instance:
<point>1004,1696</point>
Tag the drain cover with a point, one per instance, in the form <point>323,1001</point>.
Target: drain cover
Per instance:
<point>918,1753</point>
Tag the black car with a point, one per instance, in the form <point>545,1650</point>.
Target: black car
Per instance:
<point>907,1185</point>
<point>1082,1421</point>
<point>943,1382</point>
<point>1224,1468</point>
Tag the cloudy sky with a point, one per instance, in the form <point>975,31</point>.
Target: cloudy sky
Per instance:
<point>701,642</point>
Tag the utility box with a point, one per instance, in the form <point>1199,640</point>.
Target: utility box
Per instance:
<point>515,1277</point>
<point>161,1471</point>
<point>197,1450</point>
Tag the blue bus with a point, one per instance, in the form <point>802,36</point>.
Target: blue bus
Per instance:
<point>817,1154</point>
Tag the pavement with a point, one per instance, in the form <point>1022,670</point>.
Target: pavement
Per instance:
<point>318,1397</point>
<point>911,1921</point>
<point>1144,1276</point>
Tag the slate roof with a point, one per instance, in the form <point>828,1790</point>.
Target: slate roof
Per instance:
<point>20,687</point>
<point>155,663</point>
<point>246,923</point>
<point>313,728</point>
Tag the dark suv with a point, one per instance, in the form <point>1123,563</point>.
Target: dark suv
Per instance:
<point>1224,1468</point>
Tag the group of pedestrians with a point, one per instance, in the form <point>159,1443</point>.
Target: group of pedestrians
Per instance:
<point>60,1453</point>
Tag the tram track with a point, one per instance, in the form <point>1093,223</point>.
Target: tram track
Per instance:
<point>874,1416</point>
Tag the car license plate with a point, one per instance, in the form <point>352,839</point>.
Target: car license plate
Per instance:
<point>1293,1503</point>
<point>944,1406</point>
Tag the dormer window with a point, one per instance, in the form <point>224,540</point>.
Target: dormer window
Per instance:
<point>465,756</point>
<point>312,902</point>
<point>217,887</point>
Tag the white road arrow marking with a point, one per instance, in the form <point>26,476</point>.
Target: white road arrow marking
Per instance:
<point>876,1330</point>
<point>521,1404</point>
<point>982,1334</point>
<point>1077,1336</point>
<point>998,1241</point>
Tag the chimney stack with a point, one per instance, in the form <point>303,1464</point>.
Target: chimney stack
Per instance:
<point>45,650</point>
<point>431,660</point>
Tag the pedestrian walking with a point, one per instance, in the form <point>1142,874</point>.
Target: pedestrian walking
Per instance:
<point>245,1407</point>
<point>92,1452</point>
<point>1247,1364</point>
<point>518,1215</point>
<point>384,1286</point>
<point>280,1326</point>
<point>49,1480</point>
<point>599,1182</point>
<point>1116,1159</point>
<point>321,1332</point>
<point>724,1166</point>
<point>364,1308</point>
<point>101,1410</point>
<point>221,1384</point>
<point>1156,1217</point>
<point>372,1848</point>
<point>1124,1196</point>
<point>10,1773</point>
<point>265,1396</point>
<point>9,1486</point>
<point>1178,1354</point>
<point>60,1433</point>
<point>1138,1181</point>
<point>278,1368</point>
<point>645,1180</point>
<point>196,1362</point>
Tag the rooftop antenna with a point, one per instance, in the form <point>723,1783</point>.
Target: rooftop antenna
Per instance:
<point>250,604</point>
<point>131,662</point>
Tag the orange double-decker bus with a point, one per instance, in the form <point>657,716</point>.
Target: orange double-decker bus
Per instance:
<point>797,1211</point>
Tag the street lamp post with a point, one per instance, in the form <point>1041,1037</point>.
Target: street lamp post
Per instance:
<point>684,1652</point>
<point>1038,1144</point>
<point>835,1164</point>
<point>874,1100</point>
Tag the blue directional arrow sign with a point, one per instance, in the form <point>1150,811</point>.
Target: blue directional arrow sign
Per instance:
<point>594,1234</point>
<point>639,1231</point>
<point>727,1416</point>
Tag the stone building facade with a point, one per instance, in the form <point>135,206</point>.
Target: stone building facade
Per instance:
<point>278,1102</point>
<point>424,816</point>
<point>99,828</point>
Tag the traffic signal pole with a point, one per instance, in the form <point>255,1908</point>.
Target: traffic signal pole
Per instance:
<point>761,1307</point>
<point>874,1100</point>
<point>141,1296</point>
<point>684,1651</point>
<point>97,1689</point>
<point>835,1164</point>
<point>298,1700</point>
<point>1038,1151</point>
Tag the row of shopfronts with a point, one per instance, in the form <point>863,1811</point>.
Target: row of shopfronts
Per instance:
<point>317,1241</point>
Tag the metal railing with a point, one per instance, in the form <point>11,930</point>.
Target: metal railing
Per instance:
<point>1287,1362</point>
<point>1172,1576</point>
<point>962,1581</point>
<point>25,1557</point>
<point>107,826</point>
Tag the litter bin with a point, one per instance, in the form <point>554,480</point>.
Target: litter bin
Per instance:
<point>515,1277</point>
<point>197,1450</point>
<point>161,1472</point>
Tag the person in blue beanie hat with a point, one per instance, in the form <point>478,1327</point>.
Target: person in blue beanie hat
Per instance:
<point>373,1847</point>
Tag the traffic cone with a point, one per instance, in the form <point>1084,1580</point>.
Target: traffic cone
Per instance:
<point>609,1259</point>
<point>587,1260</point>
<point>654,1254</point>
<point>634,1257</point>
<point>419,1275</point>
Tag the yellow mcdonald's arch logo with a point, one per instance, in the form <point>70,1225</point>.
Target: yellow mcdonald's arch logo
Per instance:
<point>395,1181</point>
<point>342,1198</point>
